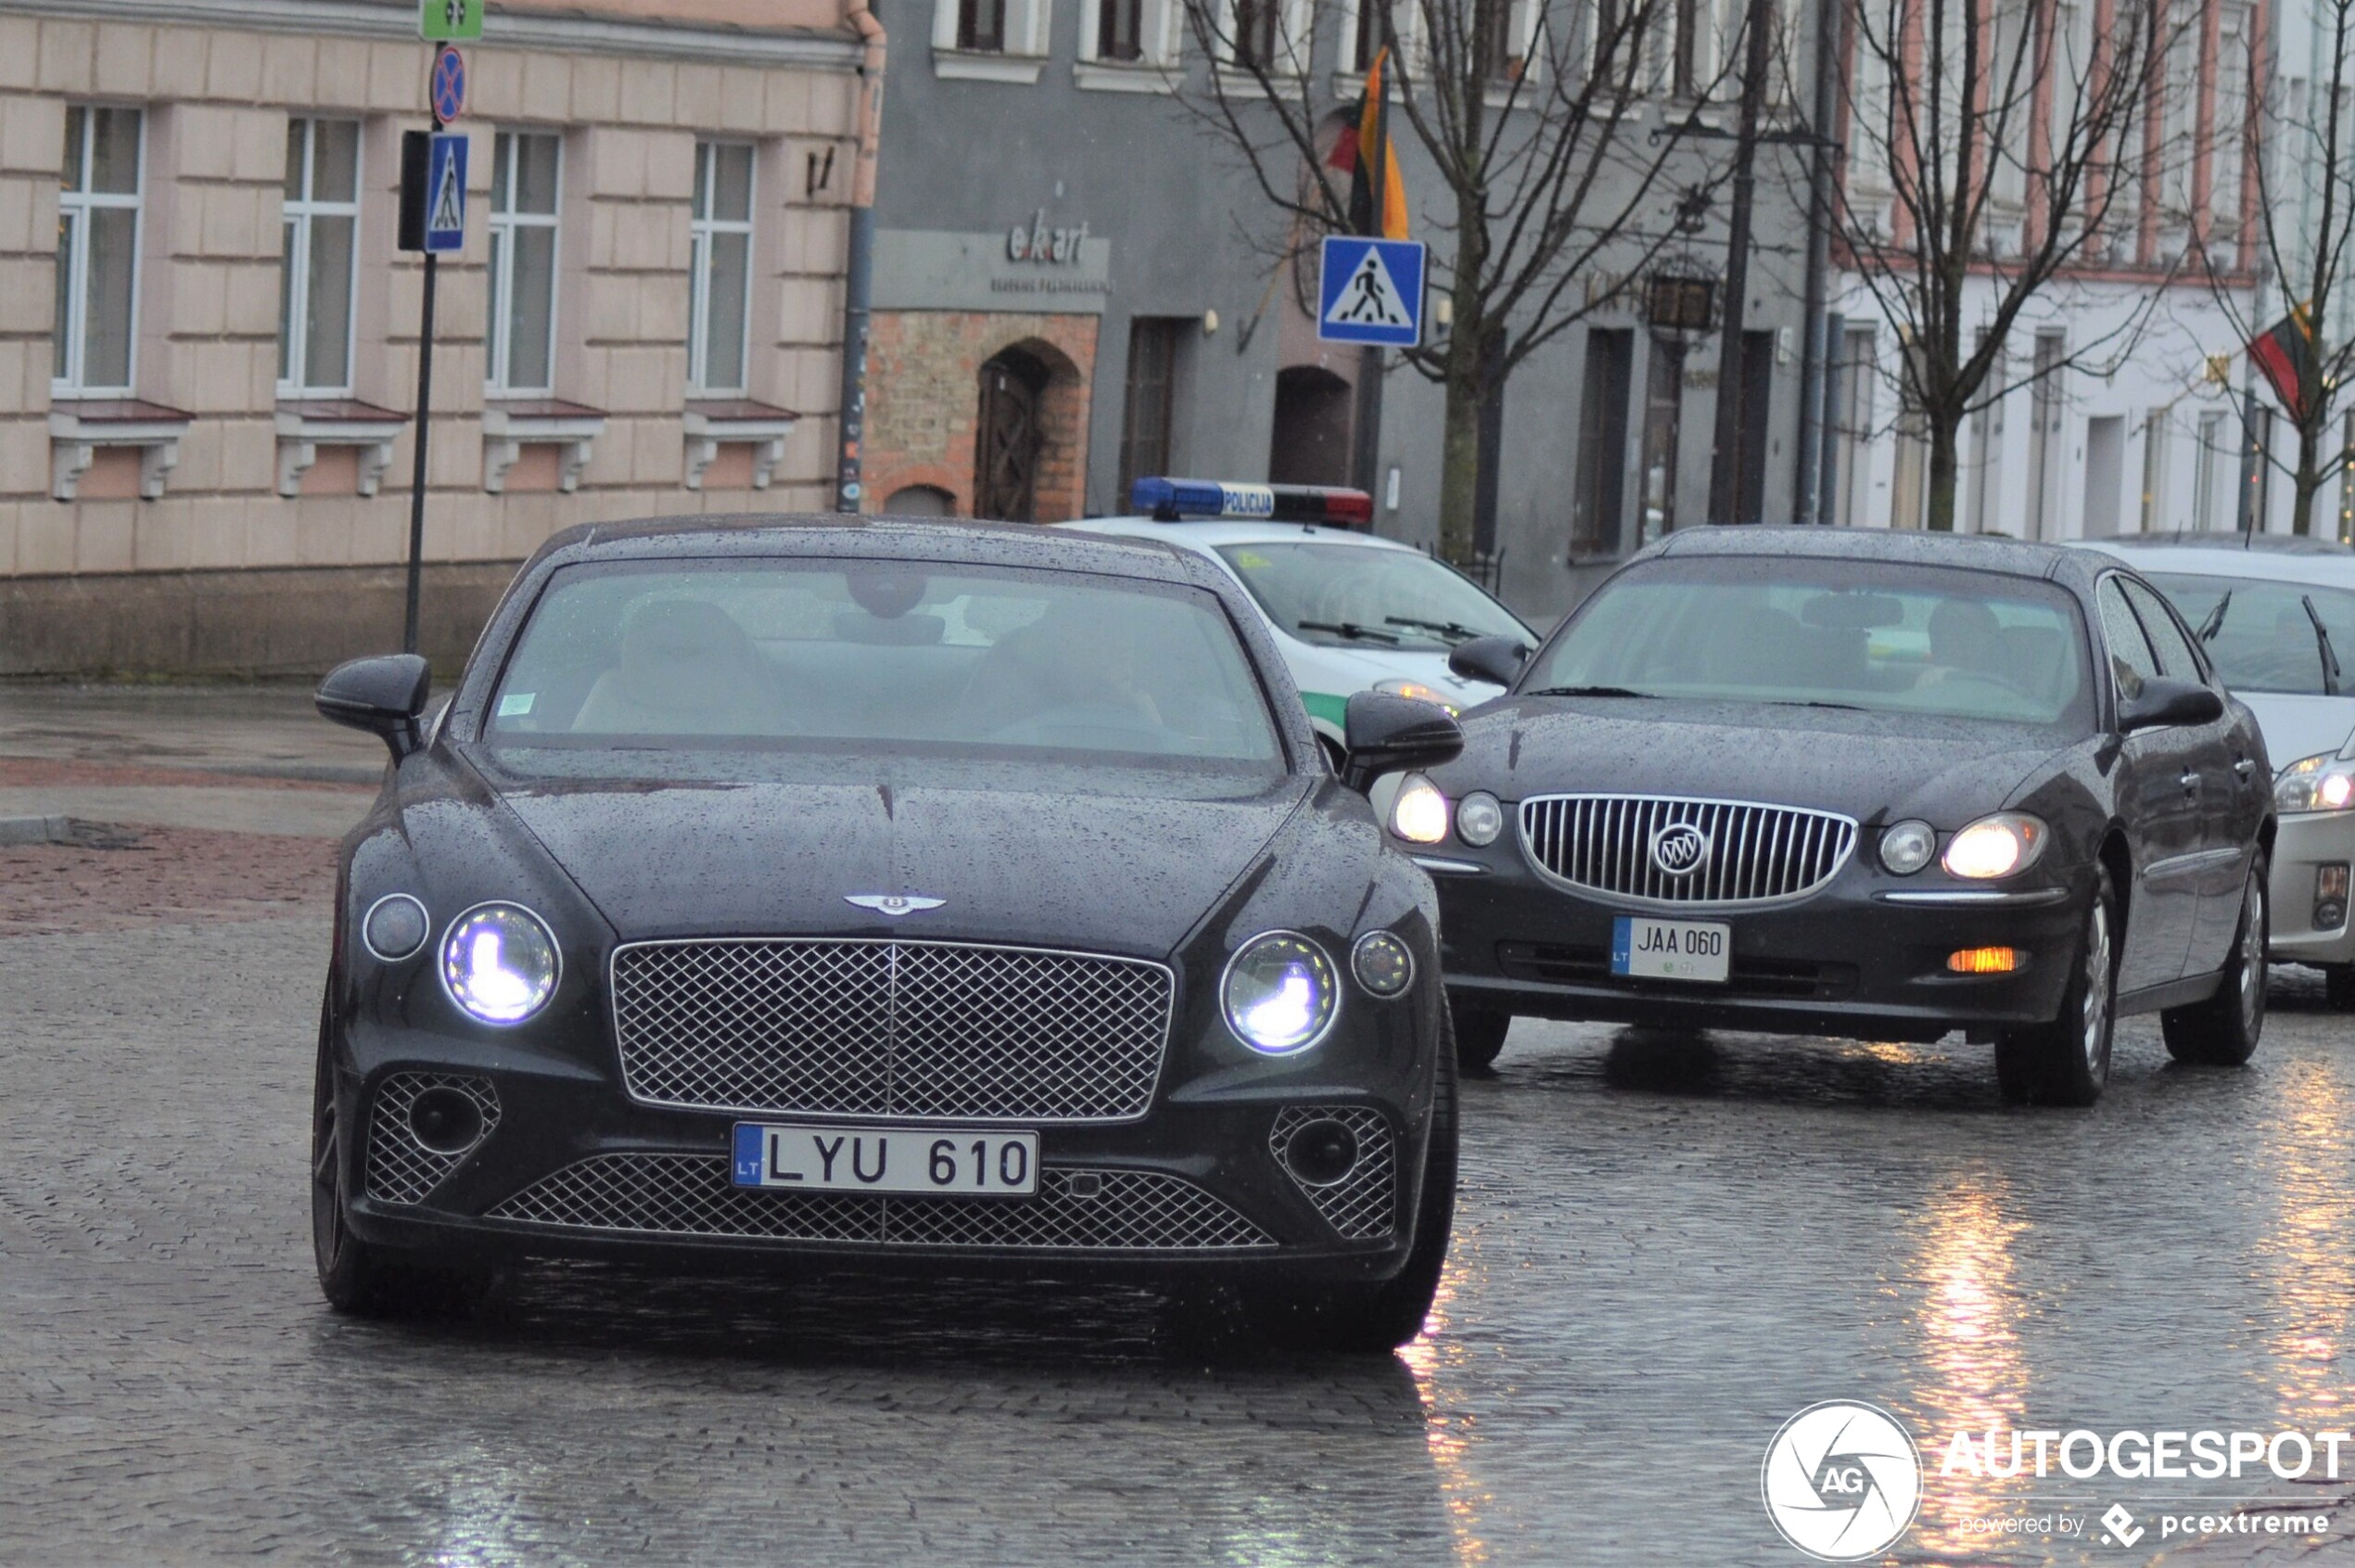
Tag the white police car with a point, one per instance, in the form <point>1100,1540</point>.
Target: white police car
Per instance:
<point>1351,612</point>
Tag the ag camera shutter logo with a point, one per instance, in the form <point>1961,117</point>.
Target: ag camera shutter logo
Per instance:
<point>1841,1480</point>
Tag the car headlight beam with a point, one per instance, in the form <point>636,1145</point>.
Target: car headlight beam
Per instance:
<point>1994,847</point>
<point>1419,814</point>
<point>2324,782</point>
<point>500,963</point>
<point>1280,993</point>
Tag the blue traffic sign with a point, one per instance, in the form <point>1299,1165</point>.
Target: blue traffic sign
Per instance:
<point>449,86</point>
<point>1371,292</point>
<point>445,193</point>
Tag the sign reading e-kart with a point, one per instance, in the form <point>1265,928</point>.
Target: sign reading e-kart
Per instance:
<point>1670,950</point>
<point>1371,292</point>
<point>903,1160</point>
<point>450,21</point>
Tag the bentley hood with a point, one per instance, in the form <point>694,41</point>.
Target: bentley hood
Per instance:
<point>1869,766</point>
<point>1128,868</point>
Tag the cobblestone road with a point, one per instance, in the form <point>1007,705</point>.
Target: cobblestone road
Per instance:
<point>1665,1250</point>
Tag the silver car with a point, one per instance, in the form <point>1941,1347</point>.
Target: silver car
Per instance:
<point>2278,619</point>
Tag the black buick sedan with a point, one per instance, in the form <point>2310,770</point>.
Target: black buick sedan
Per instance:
<point>811,893</point>
<point>1878,785</point>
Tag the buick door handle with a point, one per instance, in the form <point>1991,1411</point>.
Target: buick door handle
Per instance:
<point>2190,783</point>
<point>2245,767</point>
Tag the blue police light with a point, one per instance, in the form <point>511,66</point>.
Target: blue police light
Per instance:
<point>1169,501</point>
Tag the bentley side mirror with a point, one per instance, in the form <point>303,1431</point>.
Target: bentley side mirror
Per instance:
<point>383,695</point>
<point>1488,658</point>
<point>1389,734</point>
<point>2162,702</point>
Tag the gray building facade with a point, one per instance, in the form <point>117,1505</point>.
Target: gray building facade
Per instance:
<point>1078,281</point>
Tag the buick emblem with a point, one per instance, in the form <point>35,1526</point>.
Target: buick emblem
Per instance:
<point>1679,848</point>
<point>893,904</point>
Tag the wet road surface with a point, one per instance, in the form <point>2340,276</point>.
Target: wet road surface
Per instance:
<point>1666,1248</point>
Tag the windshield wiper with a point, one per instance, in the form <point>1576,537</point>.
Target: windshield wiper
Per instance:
<point>1454,630</point>
<point>2322,641</point>
<point>1810,702</point>
<point>2215,621</point>
<point>1351,629</point>
<point>1585,692</point>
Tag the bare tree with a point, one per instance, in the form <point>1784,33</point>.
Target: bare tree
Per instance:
<point>1992,147</point>
<point>1555,199</point>
<point>2298,148</point>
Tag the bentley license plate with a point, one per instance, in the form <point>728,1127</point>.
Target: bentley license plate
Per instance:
<point>1670,950</point>
<point>863,1158</point>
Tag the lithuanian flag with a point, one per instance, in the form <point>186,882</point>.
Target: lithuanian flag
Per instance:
<point>1350,154</point>
<point>2286,356</point>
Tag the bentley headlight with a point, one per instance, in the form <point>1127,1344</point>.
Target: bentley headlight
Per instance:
<point>1280,993</point>
<point>499,962</point>
<point>1384,964</point>
<point>1419,814</point>
<point>2324,782</point>
<point>1480,817</point>
<point>1997,845</point>
<point>1907,846</point>
<point>1416,690</point>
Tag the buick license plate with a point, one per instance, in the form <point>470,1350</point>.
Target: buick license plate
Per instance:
<point>1670,950</point>
<point>865,1158</point>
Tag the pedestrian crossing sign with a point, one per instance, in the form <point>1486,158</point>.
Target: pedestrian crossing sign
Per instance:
<point>1371,292</point>
<point>446,194</point>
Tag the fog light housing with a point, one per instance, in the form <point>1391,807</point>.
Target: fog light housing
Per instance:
<point>2330,896</point>
<point>1986,961</point>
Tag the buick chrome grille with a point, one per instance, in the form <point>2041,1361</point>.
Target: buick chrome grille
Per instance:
<point>878,1027</point>
<point>1641,848</point>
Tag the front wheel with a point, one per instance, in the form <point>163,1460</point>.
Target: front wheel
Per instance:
<point>2224,1030</point>
<point>2067,1061</point>
<point>1377,1320</point>
<point>1479,1035</point>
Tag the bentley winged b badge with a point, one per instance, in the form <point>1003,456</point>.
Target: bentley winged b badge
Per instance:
<point>893,904</point>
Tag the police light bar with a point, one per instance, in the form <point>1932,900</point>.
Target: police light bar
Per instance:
<point>1170,501</point>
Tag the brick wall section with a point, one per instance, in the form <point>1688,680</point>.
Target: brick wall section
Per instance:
<point>924,397</point>
<point>217,102</point>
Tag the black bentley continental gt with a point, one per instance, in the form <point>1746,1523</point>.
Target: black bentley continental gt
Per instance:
<point>812,893</point>
<point>1883,785</point>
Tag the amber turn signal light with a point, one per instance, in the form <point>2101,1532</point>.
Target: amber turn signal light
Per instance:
<point>1983,960</point>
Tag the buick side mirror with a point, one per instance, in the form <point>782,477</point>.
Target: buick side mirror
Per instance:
<point>2162,702</point>
<point>383,695</point>
<point>1497,659</point>
<point>1389,734</point>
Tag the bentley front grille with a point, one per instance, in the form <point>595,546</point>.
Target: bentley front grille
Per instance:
<point>1073,1210</point>
<point>1363,1204</point>
<point>890,1029</point>
<point>1661,849</point>
<point>401,1166</point>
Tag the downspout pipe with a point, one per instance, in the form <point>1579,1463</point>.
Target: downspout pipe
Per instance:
<point>859,272</point>
<point>1809,503</point>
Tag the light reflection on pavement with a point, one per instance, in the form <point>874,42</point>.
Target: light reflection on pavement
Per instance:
<point>1667,1248</point>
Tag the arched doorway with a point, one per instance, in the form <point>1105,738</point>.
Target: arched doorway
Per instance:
<point>918,500</point>
<point>1007,437</point>
<point>1311,444</point>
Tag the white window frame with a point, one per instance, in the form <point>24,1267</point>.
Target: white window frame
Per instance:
<point>76,206</point>
<point>499,345</point>
<point>702,232</point>
<point>1158,24</point>
<point>1295,21</point>
<point>1027,27</point>
<point>300,211</point>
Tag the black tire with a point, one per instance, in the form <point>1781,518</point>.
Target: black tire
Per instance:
<point>2224,1030</point>
<point>1479,1035</point>
<point>1377,1320</point>
<point>2338,985</point>
<point>2067,1061</point>
<point>358,1279</point>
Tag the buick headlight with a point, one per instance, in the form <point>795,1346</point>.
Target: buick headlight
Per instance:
<point>1907,846</point>
<point>1417,690</point>
<point>499,962</point>
<point>1280,993</point>
<point>2324,782</point>
<point>1419,814</point>
<point>1997,845</point>
<point>1480,817</point>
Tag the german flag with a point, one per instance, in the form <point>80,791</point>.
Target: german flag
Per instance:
<point>2286,356</point>
<point>1349,155</point>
